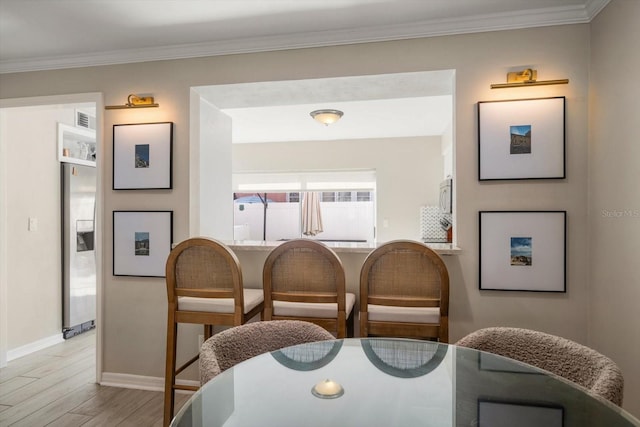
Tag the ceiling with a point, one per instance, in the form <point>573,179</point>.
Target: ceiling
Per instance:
<point>49,34</point>
<point>54,34</point>
<point>375,106</point>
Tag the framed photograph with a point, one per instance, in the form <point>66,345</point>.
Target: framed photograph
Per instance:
<point>523,414</point>
<point>523,250</point>
<point>142,156</point>
<point>141,242</point>
<point>521,139</point>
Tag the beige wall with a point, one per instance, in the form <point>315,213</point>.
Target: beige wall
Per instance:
<point>408,172</point>
<point>34,259</point>
<point>614,190</point>
<point>134,320</point>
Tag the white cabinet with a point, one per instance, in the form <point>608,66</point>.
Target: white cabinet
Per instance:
<point>76,145</point>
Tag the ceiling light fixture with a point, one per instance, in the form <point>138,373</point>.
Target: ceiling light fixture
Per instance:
<point>326,117</point>
<point>135,101</point>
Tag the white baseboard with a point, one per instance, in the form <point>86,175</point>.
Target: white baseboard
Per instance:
<point>34,346</point>
<point>140,382</point>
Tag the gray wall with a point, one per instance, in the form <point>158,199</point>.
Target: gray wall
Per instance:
<point>135,308</point>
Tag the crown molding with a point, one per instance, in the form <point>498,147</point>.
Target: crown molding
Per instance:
<point>474,24</point>
<point>593,7</point>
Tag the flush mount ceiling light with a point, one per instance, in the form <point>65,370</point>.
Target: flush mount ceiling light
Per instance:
<point>326,117</point>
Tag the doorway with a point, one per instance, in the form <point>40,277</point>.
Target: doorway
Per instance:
<point>30,226</point>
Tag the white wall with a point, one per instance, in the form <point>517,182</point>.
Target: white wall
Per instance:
<point>614,189</point>
<point>34,301</point>
<point>408,172</point>
<point>135,308</point>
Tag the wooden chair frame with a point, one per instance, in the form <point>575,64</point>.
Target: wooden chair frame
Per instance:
<point>208,319</point>
<point>439,330</point>
<point>341,325</point>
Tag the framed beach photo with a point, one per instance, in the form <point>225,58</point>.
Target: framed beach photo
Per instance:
<point>141,242</point>
<point>521,139</point>
<point>523,250</point>
<point>142,156</point>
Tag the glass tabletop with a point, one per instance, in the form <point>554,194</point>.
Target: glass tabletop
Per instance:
<point>392,382</point>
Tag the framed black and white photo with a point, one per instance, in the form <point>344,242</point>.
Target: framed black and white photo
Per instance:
<point>141,242</point>
<point>142,156</point>
<point>521,139</point>
<point>523,250</point>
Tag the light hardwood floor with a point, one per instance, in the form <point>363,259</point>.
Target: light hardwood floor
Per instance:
<point>56,387</point>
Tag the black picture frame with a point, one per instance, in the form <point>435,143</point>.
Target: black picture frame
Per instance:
<point>519,413</point>
<point>143,156</point>
<point>522,139</point>
<point>142,242</point>
<point>523,251</point>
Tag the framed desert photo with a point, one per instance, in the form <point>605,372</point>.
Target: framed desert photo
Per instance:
<point>141,242</point>
<point>523,250</point>
<point>142,156</point>
<point>521,139</point>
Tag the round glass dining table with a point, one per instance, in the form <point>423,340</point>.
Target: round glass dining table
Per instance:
<point>392,382</point>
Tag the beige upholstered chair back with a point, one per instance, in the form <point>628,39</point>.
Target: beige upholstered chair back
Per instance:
<point>404,274</point>
<point>234,345</point>
<point>565,358</point>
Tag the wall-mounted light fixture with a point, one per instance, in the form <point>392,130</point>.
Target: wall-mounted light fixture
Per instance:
<point>326,117</point>
<point>527,77</point>
<point>134,101</point>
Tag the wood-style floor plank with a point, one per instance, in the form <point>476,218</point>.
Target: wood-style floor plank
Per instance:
<point>120,407</point>
<point>55,387</point>
<point>59,407</point>
<point>70,420</point>
<point>53,380</point>
<point>14,384</point>
<point>44,397</point>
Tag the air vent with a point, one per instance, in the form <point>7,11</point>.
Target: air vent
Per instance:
<point>85,120</point>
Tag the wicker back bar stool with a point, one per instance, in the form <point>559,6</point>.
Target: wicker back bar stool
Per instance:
<point>304,279</point>
<point>204,286</point>
<point>404,292</point>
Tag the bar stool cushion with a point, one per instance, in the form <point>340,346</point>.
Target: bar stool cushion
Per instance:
<point>310,309</point>
<point>387,313</point>
<point>252,298</point>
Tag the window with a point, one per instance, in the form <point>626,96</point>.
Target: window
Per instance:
<point>266,208</point>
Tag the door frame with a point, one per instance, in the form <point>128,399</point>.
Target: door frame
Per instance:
<point>97,98</point>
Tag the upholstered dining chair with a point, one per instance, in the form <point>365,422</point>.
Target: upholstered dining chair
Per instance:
<point>234,345</point>
<point>204,286</point>
<point>404,292</point>
<point>304,279</point>
<point>560,356</point>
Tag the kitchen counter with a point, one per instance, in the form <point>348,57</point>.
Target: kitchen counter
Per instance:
<point>338,247</point>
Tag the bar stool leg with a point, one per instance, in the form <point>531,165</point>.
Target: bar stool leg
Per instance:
<point>170,369</point>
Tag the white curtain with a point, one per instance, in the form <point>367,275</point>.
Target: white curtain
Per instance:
<point>311,214</point>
